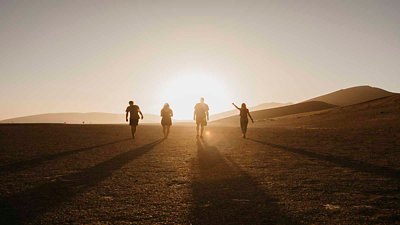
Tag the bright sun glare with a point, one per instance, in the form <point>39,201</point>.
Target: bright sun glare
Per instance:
<point>183,92</point>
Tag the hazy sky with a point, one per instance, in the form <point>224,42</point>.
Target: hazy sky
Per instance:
<point>95,56</point>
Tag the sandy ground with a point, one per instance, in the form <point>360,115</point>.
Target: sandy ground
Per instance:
<point>95,174</point>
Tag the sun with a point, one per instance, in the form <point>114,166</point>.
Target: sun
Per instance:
<point>183,92</point>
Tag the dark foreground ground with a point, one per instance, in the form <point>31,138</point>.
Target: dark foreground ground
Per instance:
<point>94,174</point>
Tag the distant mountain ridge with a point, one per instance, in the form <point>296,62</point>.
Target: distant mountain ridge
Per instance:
<point>341,98</point>
<point>79,118</point>
<point>110,118</point>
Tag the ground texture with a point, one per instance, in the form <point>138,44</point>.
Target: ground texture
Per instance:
<point>95,174</point>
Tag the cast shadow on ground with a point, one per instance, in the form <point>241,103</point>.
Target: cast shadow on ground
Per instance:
<point>225,194</point>
<point>340,161</point>
<point>27,205</point>
<point>26,164</point>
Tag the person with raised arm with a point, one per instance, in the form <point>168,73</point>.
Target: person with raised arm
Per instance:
<point>244,120</point>
<point>134,112</point>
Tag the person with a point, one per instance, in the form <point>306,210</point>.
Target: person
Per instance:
<point>244,121</point>
<point>134,112</point>
<point>166,121</point>
<point>201,116</point>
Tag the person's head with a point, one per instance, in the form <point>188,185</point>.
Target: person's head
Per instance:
<point>130,102</point>
<point>166,106</point>
<point>243,105</point>
<point>202,100</point>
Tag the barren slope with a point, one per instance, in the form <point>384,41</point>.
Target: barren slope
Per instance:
<point>375,113</point>
<point>354,95</point>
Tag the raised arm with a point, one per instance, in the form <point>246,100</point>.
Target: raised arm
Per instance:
<point>235,106</point>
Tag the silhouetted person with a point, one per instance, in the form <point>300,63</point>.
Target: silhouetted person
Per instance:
<point>166,121</point>
<point>244,121</point>
<point>134,111</point>
<point>201,116</point>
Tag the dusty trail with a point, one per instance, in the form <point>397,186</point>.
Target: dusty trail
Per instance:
<point>95,174</point>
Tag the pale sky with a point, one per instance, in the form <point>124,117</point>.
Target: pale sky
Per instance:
<point>95,56</point>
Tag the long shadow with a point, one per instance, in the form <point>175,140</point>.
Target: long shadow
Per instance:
<point>26,164</point>
<point>27,205</point>
<point>340,161</point>
<point>224,194</point>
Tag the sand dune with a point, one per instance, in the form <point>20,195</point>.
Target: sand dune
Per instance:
<point>262,115</point>
<point>353,95</point>
<point>379,112</point>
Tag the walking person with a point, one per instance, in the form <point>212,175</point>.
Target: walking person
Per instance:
<point>201,116</point>
<point>244,121</point>
<point>134,112</point>
<point>166,121</point>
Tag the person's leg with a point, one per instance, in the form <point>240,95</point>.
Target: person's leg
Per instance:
<point>133,130</point>
<point>167,132</point>
<point>202,130</point>
<point>245,128</point>
<point>197,129</point>
<point>163,130</point>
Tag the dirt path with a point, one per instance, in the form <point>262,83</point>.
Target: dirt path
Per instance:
<point>96,175</point>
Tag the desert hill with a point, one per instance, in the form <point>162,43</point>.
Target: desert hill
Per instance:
<point>280,111</point>
<point>353,95</point>
<point>79,118</point>
<point>269,105</point>
<point>234,112</point>
<point>341,98</point>
<point>382,112</point>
